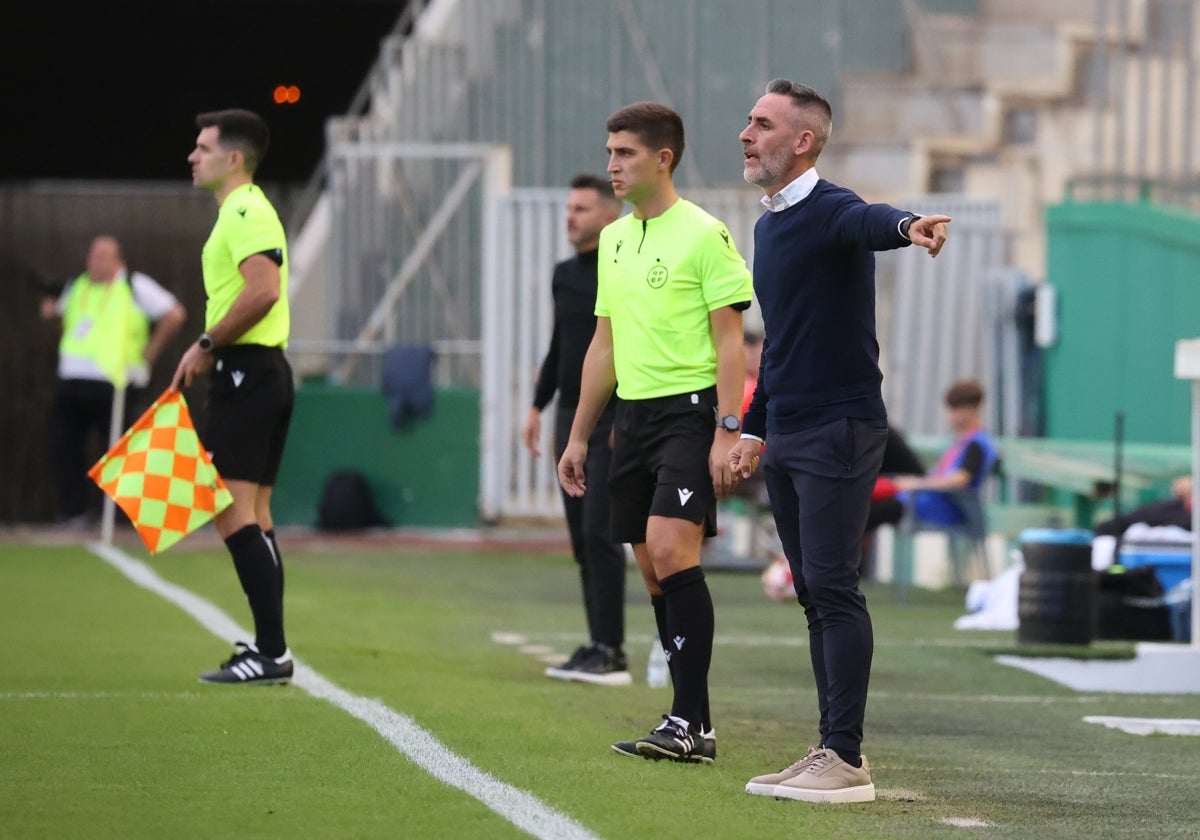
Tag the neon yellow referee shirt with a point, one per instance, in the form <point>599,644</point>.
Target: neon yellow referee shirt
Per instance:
<point>247,224</point>
<point>657,281</point>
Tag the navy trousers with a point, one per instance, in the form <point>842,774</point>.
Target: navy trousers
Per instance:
<point>820,481</point>
<point>601,561</point>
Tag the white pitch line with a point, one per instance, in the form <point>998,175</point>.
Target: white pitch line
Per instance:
<point>920,769</point>
<point>519,807</point>
<point>505,638</point>
<point>1148,726</point>
<point>522,639</point>
<point>965,822</point>
<point>101,695</point>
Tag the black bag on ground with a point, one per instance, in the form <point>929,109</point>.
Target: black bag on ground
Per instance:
<point>347,503</point>
<point>1130,606</point>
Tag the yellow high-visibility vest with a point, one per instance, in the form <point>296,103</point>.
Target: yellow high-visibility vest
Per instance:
<point>102,323</point>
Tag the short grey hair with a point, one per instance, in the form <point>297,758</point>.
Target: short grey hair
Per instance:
<point>815,112</point>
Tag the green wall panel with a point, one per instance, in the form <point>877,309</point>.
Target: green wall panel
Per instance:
<point>425,475</point>
<point>1128,281</point>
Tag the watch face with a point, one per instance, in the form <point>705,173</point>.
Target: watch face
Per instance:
<point>730,423</point>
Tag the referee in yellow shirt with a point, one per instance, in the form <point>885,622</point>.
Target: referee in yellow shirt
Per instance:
<point>671,289</point>
<point>245,263</point>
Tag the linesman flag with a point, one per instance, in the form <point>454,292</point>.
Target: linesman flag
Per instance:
<point>160,475</point>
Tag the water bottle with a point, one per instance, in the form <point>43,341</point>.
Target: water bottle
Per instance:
<point>658,672</point>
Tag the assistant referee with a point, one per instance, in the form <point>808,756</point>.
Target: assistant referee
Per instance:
<point>247,322</point>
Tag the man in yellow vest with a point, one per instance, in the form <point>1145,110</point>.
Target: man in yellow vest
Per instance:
<point>115,326</point>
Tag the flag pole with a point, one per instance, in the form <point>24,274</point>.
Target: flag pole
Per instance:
<point>116,422</point>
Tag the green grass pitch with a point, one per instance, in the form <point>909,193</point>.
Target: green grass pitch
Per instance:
<point>104,731</point>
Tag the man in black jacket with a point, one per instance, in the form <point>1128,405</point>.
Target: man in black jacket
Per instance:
<point>591,206</point>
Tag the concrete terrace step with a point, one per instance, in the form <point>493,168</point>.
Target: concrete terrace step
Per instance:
<point>1076,18</point>
<point>883,107</point>
<point>975,52</point>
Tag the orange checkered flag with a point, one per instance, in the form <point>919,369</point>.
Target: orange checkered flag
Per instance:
<point>161,476</point>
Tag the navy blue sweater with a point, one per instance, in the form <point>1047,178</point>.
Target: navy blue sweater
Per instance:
<point>814,276</point>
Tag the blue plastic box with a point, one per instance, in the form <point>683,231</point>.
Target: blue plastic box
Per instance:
<point>1172,562</point>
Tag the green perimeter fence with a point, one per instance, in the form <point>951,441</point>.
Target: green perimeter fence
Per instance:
<point>425,473</point>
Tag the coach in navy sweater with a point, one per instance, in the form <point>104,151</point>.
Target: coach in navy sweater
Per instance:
<point>819,405</point>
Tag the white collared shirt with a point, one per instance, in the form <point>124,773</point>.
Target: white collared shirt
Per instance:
<point>798,190</point>
<point>793,193</point>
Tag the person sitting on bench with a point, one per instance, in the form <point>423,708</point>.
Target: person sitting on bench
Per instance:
<point>962,467</point>
<point>1177,511</point>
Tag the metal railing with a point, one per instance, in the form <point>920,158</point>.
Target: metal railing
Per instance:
<point>1178,192</point>
<point>360,103</point>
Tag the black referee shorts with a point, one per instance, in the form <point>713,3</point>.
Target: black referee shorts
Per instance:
<point>660,463</point>
<point>250,401</point>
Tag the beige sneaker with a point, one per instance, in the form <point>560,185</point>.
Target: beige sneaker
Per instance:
<point>826,778</point>
<point>765,785</point>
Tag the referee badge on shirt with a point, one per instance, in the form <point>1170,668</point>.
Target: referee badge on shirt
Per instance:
<point>657,276</point>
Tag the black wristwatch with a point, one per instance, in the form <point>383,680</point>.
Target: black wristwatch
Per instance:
<point>905,224</point>
<point>205,341</point>
<point>730,423</point>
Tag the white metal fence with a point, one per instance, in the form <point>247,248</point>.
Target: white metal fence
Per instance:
<point>951,317</point>
<point>412,253</point>
<point>943,319</point>
<point>514,483</point>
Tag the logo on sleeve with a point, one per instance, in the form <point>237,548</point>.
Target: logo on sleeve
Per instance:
<point>725,235</point>
<point>242,212</point>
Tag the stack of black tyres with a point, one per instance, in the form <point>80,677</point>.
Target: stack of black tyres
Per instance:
<point>1056,601</point>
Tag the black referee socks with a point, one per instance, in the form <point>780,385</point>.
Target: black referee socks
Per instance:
<point>689,638</point>
<point>261,578</point>
<point>659,603</point>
